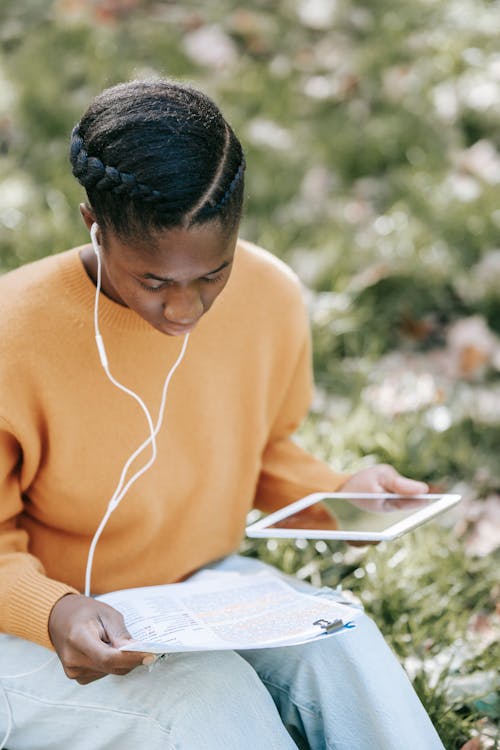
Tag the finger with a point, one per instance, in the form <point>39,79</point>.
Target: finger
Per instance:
<point>85,674</point>
<point>114,630</point>
<point>88,677</point>
<point>80,667</point>
<point>391,481</point>
<point>410,486</point>
<point>79,674</point>
<point>115,633</point>
<point>101,655</point>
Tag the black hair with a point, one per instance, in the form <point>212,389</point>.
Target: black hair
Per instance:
<point>157,154</point>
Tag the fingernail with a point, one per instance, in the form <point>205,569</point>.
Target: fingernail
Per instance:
<point>148,660</point>
<point>418,483</point>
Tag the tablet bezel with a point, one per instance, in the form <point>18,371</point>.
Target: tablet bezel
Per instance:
<point>261,529</point>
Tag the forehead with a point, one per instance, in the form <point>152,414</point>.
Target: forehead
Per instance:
<point>174,253</point>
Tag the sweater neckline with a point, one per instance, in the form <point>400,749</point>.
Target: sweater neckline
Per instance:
<point>78,285</point>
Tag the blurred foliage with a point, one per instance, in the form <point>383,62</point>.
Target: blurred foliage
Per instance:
<point>371,131</point>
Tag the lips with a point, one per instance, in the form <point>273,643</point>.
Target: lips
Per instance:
<point>175,329</point>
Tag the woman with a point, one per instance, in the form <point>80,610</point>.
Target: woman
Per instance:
<point>164,177</point>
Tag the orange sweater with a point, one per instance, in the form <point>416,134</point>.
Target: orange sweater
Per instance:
<point>66,431</point>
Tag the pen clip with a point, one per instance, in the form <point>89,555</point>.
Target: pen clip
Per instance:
<point>330,627</point>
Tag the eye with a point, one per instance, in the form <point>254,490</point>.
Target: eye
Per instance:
<point>152,288</point>
<point>213,279</point>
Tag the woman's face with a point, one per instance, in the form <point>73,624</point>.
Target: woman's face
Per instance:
<point>172,284</point>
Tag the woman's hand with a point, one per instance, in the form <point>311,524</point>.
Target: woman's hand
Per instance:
<point>87,635</point>
<point>384,478</point>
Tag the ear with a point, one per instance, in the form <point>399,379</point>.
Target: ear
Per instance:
<point>87,215</point>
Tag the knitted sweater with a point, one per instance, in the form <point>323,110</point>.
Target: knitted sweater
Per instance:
<point>66,431</point>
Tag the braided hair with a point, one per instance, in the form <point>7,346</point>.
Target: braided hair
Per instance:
<point>155,154</point>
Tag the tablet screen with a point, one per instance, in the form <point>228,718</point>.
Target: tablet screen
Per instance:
<point>356,516</point>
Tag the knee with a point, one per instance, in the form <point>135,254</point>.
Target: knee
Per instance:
<point>218,699</point>
<point>209,682</point>
<point>219,679</point>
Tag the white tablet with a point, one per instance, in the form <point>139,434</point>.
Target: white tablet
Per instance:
<point>353,516</point>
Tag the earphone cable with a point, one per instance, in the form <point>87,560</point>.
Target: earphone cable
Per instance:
<point>121,491</point>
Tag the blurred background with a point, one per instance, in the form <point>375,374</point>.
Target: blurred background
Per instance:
<point>373,147</point>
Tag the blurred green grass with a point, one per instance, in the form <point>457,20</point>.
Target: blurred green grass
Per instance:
<point>371,131</point>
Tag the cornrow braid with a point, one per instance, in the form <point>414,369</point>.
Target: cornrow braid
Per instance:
<point>209,209</point>
<point>92,173</point>
<point>234,183</point>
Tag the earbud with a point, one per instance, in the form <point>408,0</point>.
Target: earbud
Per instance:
<point>93,236</point>
<point>100,343</point>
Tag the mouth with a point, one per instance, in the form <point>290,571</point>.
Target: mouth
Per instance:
<point>176,329</point>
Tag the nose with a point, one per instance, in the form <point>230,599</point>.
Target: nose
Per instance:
<point>183,306</point>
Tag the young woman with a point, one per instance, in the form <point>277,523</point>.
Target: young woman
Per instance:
<point>164,175</point>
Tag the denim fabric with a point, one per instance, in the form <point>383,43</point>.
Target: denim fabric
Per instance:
<point>347,692</point>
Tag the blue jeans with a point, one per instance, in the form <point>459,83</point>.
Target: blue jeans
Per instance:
<point>347,692</point>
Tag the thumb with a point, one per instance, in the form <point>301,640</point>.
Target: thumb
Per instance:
<point>404,486</point>
<point>115,628</point>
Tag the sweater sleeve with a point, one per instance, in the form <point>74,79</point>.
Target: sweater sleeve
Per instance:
<point>26,594</point>
<point>288,472</point>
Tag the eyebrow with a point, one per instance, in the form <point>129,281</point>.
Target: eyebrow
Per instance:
<point>166,278</point>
